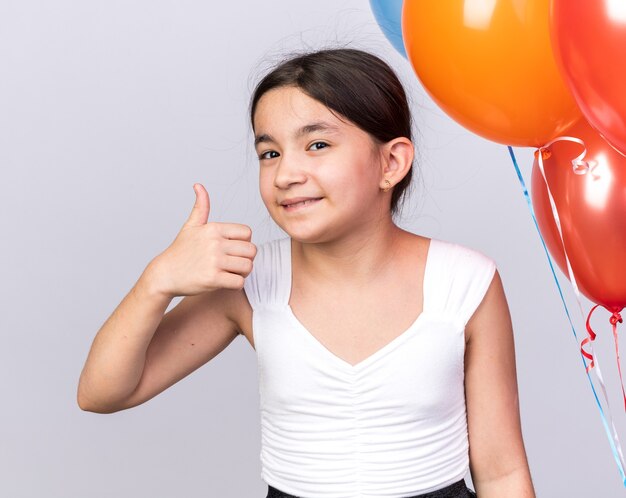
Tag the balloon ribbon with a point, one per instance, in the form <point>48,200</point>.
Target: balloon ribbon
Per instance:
<point>615,318</point>
<point>579,167</point>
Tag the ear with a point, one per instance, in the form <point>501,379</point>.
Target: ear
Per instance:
<point>397,159</point>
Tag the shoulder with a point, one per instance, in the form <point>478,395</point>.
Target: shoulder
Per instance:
<point>254,292</point>
<point>492,310</point>
<point>270,257</point>
<point>454,262</point>
<point>460,254</point>
<point>464,266</point>
<point>266,281</point>
<point>461,276</point>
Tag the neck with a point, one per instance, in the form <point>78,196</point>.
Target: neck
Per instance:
<point>354,258</point>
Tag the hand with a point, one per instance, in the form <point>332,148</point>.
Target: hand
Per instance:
<point>205,256</point>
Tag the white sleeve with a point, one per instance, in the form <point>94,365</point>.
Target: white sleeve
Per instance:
<point>475,274</point>
<point>268,284</point>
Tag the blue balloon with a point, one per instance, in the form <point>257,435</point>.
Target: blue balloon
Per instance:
<point>388,14</point>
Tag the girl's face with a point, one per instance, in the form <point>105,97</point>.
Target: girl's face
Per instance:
<point>306,153</point>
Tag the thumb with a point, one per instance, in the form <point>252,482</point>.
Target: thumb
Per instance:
<point>200,212</point>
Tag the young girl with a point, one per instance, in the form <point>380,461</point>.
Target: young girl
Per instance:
<point>386,359</point>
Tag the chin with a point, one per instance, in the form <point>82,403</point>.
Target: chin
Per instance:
<point>305,234</point>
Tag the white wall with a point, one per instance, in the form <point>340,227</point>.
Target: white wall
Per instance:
<point>109,112</point>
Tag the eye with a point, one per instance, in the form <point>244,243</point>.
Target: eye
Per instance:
<point>263,155</point>
<point>323,145</point>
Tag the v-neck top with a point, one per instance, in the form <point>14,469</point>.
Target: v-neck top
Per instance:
<point>394,424</point>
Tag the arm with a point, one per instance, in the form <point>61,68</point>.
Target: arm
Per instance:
<point>116,359</point>
<point>138,352</point>
<point>498,461</point>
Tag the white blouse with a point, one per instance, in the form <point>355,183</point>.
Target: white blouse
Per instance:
<point>394,424</point>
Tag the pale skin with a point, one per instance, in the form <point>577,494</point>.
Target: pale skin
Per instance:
<point>347,256</point>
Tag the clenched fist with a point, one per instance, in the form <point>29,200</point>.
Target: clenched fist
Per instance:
<point>205,255</point>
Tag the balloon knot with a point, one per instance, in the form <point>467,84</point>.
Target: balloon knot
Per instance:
<point>545,153</point>
<point>616,317</point>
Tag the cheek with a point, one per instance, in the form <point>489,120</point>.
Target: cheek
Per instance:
<point>266,188</point>
<point>359,179</point>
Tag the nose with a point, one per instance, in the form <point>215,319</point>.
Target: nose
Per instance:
<point>289,171</point>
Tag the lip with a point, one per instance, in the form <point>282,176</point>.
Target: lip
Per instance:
<point>292,205</point>
<point>294,200</point>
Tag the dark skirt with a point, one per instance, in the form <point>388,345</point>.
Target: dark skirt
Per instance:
<point>457,490</point>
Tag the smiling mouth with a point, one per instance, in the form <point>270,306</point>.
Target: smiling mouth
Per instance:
<point>301,204</point>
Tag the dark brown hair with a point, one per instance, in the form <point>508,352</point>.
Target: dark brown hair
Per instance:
<point>356,84</point>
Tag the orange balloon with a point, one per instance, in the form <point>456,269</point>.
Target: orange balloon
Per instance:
<point>592,211</point>
<point>489,65</point>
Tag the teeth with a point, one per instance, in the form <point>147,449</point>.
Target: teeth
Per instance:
<point>302,203</point>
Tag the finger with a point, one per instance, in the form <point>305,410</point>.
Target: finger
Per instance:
<point>235,231</point>
<point>241,248</point>
<point>238,265</point>
<point>200,211</point>
<point>228,280</point>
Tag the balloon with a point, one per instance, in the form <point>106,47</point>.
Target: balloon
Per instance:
<point>589,40</point>
<point>489,65</point>
<point>388,14</point>
<point>592,211</point>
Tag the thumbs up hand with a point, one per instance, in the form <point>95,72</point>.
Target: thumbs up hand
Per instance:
<point>205,255</point>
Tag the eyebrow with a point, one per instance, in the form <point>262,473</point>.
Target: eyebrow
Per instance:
<point>319,126</point>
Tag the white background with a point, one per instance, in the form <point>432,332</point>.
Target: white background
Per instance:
<point>109,112</point>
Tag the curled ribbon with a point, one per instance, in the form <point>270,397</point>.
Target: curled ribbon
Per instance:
<point>591,337</point>
<point>579,166</point>
<point>613,320</point>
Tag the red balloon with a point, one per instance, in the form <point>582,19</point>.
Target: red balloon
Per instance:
<point>589,42</point>
<point>592,211</point>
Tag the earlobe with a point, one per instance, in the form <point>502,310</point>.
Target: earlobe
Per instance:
<point>398,159</point>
